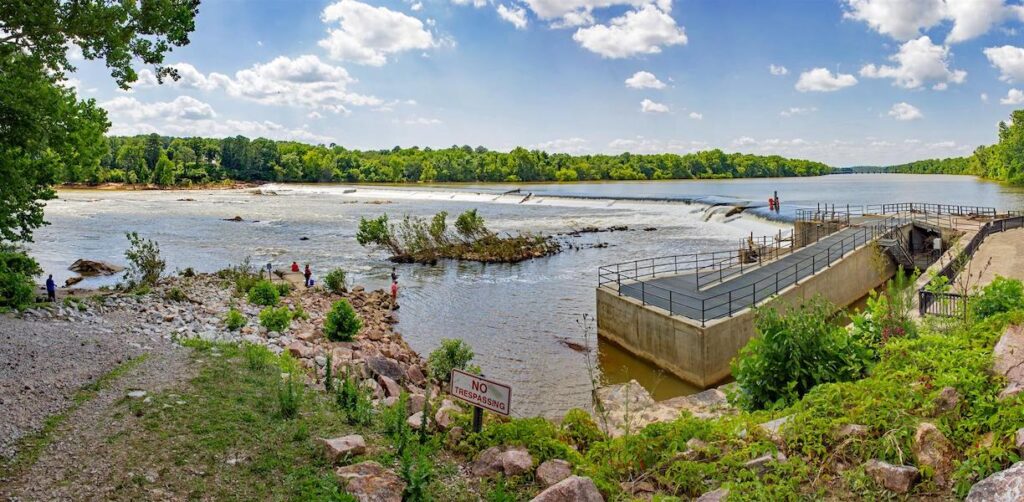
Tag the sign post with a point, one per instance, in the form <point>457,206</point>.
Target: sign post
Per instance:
<point>482,393</point>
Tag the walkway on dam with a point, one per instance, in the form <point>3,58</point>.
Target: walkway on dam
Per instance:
<point>680,295</point>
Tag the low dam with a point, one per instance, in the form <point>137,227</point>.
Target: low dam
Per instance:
<point>691,314</point>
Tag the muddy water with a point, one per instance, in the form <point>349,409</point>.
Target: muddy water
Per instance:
<point>520,319</point>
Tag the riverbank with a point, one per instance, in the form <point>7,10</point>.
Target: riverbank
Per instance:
<point>129,187</point>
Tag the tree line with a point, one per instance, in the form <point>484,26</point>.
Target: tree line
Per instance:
<point>1003,161</point>
<point>171,161</point>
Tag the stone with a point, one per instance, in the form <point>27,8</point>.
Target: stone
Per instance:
<point>1003,486</point>
<point>487,463</point>
<point>1008,360</point>
<point>572,488</point>
<point>946,401</point>
<point>90,268</point>
<point>516,461</point>
<point>852,431</point>
<point>455,436</point>
<point>553,471</point>
<point>416,420</point>
<point>417,402</point>
<point>932,449</point>
<point>338,449</point>
<point>718,495</point>
<point>384,366</point>
<point>370,482</point>
<point>135,394</point>
<point>772,428</point>
<point>391,387</point>
<point>375,389</point>
<point>444,417</point>
<point>300,350</point>
<point>762,463</point>
<point>639,489</point>
<point>341,356</point>
<point>895,478</point>
<point>415,375</point>
<point>1020,440</point>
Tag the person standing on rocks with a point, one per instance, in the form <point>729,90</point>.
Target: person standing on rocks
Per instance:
<point>394,275</point>
<point>308,274</point>
<point>394,294</point>
<point>51,289</point>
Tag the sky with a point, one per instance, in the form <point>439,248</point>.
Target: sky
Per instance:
<point>846,82</point>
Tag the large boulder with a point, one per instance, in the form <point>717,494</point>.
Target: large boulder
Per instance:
<point>384,366</point>
<point>553,471</point>
<point>932,449</point>
<point>390,386</point>
<point>1008,360</point>
<point>338,449</point>
<point>370,482</point>
<point>895,478</point>
<point>91,268</point>
<point>1003,486</point>
<point>511,461</point>
<point>629,407</point>
<point>572,488</point>
<point>516,461</point>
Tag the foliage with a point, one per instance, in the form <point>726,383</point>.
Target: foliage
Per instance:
<point>794,352</point>
<point>1001,295</point>
<point>16,271</point>
<point>377,232</point>
<point>579,430</point>
<point>335,281</point>
<point>353,401</point>
<point>257,357</point>
<point>264,293</point>
<point>452,354</point>
<point>417,469</point>
<point>342,322</point>
<point>538,435</point>
<point>234,320</point>
<point>283,288</point>
<point>470,225</point>
<point>175,294</point>
<point>145,266</point>
<point>276,319</point>
<point>289,397</point>
<point>887,315</point>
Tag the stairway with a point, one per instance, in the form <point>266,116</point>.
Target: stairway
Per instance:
<point>898,252</point>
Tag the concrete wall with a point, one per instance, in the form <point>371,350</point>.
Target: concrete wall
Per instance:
<point>701,355</point>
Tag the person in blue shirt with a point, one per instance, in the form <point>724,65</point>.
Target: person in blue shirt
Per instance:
<point>51,289</point>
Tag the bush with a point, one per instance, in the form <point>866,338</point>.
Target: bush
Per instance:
<point>354,401</point>
<point>377,232</point>
<point>887,315</point>
<point>793,353</point>
<point>335,281</point>
<point>283,288</point>
<point>145,266</point>
<point>579,430</point>
<point>264,293</point>
<point>289,397</point>
<point>470,225</point>
<point>16,287</point>
<point>276,319</point>
<point>1001,295</point>
<point>234,320</point>
<point>452,354</point>
<point>257,357</point>
<point>175,294</point>
<point>342,322</point>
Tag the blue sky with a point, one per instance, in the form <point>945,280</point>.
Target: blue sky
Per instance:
<point>864,81</point>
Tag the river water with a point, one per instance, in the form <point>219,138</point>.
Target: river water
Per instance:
<point>516,317</point>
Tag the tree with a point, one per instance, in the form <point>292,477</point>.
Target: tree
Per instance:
<point>44,128</point>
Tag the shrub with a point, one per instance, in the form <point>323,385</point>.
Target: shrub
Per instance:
<point>417,469</point>
<point>470,225</point>
<point>234,320</point>
<point>354,401</point>
<point>887,315</point>
<point>335,281</point>
<point>452,354</point>
<point>145,266</point>
<point>289,397</point>
<point>276,319</point>
<point>257,357</point>
<point>175,294</point>
<point>793,353</point>
<point>283,288</point>
<point>579,430</point>
<point>377,232</point>
<point>16,288</point>
<point>1001,295</point>
<point>342,322</point>
<point>264,293</point>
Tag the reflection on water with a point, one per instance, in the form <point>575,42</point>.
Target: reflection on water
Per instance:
<point>620,366</point>
<point>516,317</point>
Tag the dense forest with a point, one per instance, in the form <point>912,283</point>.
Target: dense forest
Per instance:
<point>1003,161</point>
<point>169,161</point>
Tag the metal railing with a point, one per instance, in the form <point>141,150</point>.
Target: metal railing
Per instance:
<point>842,213</point>
<point>942,304</point>
<point>726,303</point>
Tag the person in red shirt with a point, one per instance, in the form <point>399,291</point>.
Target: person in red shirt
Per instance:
<point>394,294</point>
<point>295,267</point>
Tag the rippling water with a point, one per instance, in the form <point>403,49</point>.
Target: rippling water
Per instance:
<point>515,316</point>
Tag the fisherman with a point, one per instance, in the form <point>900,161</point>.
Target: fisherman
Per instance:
<point>295,266</point>
<point>771,204</point>
<point>51,289</point>
<point>394,275</point>
<point>776,202</point>
<point>394,294</point>
<point>308,274</point>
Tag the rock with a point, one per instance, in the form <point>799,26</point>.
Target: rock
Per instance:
<point>572,488</point>
<point>1008,360</point>
<point>1020,440</point>
<point>718,495</point>
<point>341,448</point>
<point>630,407</point>
<point>375,389</point>
<point>415,421</point>
<point>89,268</point>
<point>762,463</point>
<point>932,449</point>
<point>236,218</point>
<point>553,471</point>
<point>946,400</point>
<point>391,387</point>
<point>1003,486</point>
<point>415,375</point>
<point>487,463</point>
<point>455,436</point>
<point>300,350</point>
<point>137,394</point>
<point>638,490</point>
<point>416,403</point>
<point>516,461</point>
<point>444,415</point>
<point>772,428</point>
<point>895,478</point>
<point>386,367</point>
<point>852,431</point>
<point>370,482</point>
<point>71,281</point>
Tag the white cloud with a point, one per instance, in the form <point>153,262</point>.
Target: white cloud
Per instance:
<point>368,35</point>
<point>796,110</point>
<point>648,106</point>
<point>905,111</point>
<point>696,116</point>
<point>918,61</point>
<point>778,70</point>
<point>182,107</point>
<point>566,145</point>
<point>906,19</point>
<point>314,115</point>
<point>305,81</point>
<point>641,144</point>
<point>822,80</point>
<point>514,15</point>
<point>1009,60</point>
<point>474,3</point>
<point>644,80</point>
<point>984,97</point>
<point>573,13</point>
<point>641,31</point>
<point>421,121</point>
<point>416,6</point>
<point>1013,97</point>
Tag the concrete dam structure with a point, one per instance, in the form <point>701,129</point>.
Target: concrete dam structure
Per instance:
<point>691,314</point>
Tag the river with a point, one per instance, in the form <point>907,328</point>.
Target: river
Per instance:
<point>516,317</point>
